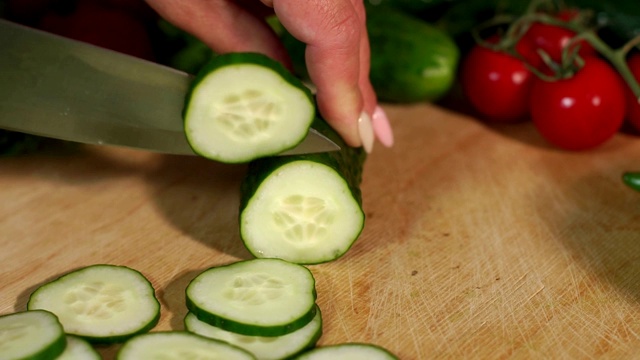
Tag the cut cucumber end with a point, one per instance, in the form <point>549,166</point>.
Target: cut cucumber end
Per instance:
<point>36,335</point>
<point>244,106</point>
<point>179,345</point>
<point>101,303</point>
<point>303,212</point>
<point>259,297</point>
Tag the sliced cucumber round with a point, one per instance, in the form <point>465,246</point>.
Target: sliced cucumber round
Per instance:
<point>34,335</point>
<point>243,106</point>
<point>304,212</point>
<point>78,349</point>
<point>263,348</point>
<point>348,351</point>
<point>179,345</point>
<point>101,303</point>
<point>258,297</point>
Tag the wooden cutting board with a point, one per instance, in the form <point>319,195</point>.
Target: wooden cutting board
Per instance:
<point>480,242</point>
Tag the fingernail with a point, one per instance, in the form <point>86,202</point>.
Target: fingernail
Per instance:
<point>365,130</point>
<point>381,127</point>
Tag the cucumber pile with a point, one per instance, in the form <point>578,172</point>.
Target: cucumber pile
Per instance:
<point>265,306</point>
<point>258,309</point>
<point>306,209</point>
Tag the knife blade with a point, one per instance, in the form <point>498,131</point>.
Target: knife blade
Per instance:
<point>61,88</point>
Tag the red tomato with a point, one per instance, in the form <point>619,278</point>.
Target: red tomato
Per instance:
<point>552,40</point>
<point>496,84</point>
<point>580,112</point>
<point>633,107</point>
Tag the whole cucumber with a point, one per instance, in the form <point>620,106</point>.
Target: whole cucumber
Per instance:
<point>411,60</point>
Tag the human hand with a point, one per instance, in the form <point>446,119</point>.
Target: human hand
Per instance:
<point>337,52</point>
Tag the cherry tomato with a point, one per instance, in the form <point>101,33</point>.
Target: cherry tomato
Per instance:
<point>633,107</point>
<point>496,84</point>
<point>580,112</point>
<point>552,40</point>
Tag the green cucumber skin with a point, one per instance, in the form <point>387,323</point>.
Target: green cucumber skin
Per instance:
<point>382,350</point>
<point>242,58</point>
<point>119,354</point>
<point>106,340</point>
<point>248,329</point>
<point>348,163</point>
<point>313,341</point>
<point>411,60</point>
<point>308,346</point>
<point>52,351</point>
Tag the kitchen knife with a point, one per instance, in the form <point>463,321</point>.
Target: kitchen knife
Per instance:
<point>60,88</point>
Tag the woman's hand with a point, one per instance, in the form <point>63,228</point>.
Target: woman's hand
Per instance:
<point>337,52</point>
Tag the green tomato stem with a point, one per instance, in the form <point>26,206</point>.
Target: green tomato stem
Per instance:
<point>617,58</point>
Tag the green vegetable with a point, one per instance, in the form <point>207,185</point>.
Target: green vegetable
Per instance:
<point>100,303</point>
<point>305,209</point>
<point>258,297</point>
<point>78,349</point>
<point>33,335</point>
<point>263,348</point>
<point>411,60</point>
<point>348,351</point>
<point>243,106</point>
<point>179,345</point>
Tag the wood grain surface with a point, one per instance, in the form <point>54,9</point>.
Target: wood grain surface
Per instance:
<point>480,242</point>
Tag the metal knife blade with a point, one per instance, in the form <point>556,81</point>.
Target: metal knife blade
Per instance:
<point>60,88</point>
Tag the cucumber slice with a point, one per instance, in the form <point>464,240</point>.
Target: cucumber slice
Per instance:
<point>258,297</point>
<point>263,348</point>
<point>243,106</point>
<point>305,209</point>
<point>31,335</point>
<point>348,351</point>
<point>78,349</point>
<point>101,303</point>
<point>179,345</point>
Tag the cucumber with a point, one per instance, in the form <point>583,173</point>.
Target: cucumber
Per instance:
<point>305,209</point>
<point>31,335</point>
<point>243,106</point>
<point>258,297</point>
<point>263,348</point>
<point>78,349</point>
<point>411,59</point>
<point>100,303</point>
<point>348,351</point>
<point>179,345</point>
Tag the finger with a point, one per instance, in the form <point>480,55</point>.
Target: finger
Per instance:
<point>332,31</point>
<point>223,25</point>
<point>380,122</point>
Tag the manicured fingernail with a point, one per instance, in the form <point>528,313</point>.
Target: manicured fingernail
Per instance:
<point>365,130</point>
<point>381,127</point>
